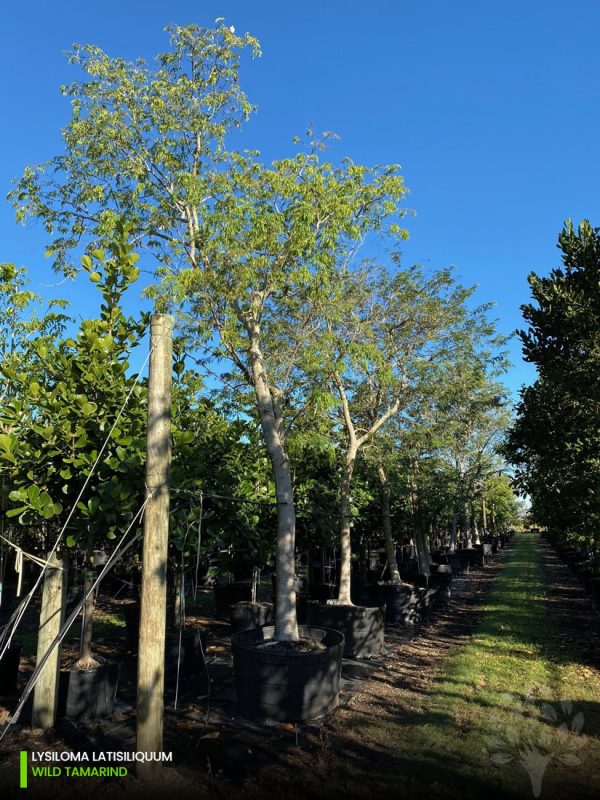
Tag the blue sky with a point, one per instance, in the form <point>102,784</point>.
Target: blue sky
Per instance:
<point>491,107</point>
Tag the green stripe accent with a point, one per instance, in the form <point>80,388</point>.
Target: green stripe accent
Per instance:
<point>23,783</point>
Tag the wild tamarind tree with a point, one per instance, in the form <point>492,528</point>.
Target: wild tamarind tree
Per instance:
<point>242,250</point>
<point>383,340</point>
<point>267,255</point>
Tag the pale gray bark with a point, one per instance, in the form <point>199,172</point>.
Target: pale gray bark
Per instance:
<point>453,532</point>
<point>354,444</point>
<point>483,516</point>
<point>271,421</point>
<point>345,526</point>
<point>86,659</point>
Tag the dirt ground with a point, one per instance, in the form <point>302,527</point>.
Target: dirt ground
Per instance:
<point>217,754</point>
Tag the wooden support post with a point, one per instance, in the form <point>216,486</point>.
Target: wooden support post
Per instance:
<point>45,696</point>
<point>151,651</point>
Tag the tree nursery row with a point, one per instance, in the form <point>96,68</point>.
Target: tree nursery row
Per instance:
<point>333,417</point>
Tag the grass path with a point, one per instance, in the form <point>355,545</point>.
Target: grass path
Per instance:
<point>508,709</point>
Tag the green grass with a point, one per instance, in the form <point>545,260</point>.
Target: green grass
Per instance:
<point>508,708</point>
<point>498,706</point>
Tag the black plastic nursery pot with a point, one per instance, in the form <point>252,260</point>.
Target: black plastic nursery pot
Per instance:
<point>403,603</point>
<point>323,592</point>
<point>441,579</point>
<point>8,598</point>
<point>362,626</point>
<point>228,594</point>
<point>9,669</point>
<point>287,686</point>
<point>246,615</point>
<point>88,693</point>
<point>132,625</point>
<point>427,596</point>
<point>457,562</point>
<point>187,650</point>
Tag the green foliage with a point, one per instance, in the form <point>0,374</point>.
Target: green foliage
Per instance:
<point>142,142</point>
<point>60,420</point>
<point>555,441</point>
<point>561,471</point>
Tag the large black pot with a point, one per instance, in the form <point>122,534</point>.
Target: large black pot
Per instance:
<point>362,626</point>
<point>228,594</point>
<point>323,591</point>
<point>88,693</point>
<point>403,603</point>
<point>441,580</point>
<point>187,650</point>
<point>427,597</point>
<point>457,562</point>
<point>8,599</point>
<point>245,616</point>
<point>286,686</point>
<point>9,669</point>
<point>132,625</point>
<point>185,665</point>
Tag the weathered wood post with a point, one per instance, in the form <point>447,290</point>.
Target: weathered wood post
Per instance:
<point>45,696</point>
<point>151,651</point>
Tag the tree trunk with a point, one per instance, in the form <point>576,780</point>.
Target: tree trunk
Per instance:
<point>86,661</point>
<point>483,516</point>
<point>475,530</point>
<point>286,624</point>
<point>45,698</point>
<point>387,527</point>
<point>453,532</point>
<point>423,554</point>
<point>153,597</point>
<point>468,538</point>
<point>345,522</point>
<point>178,604</point>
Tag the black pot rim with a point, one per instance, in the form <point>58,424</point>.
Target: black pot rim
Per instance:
<point>376,605</point>
<point>268,633</point>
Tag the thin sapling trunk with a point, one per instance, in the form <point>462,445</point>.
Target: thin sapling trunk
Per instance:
<point>390,545</point>
<point>86,660</point>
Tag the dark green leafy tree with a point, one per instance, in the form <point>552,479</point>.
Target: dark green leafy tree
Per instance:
<point>554,443</point>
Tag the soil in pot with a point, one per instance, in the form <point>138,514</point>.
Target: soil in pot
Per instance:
<point>229,593</point>
<point>88,693</point>
<point>279,681</point>
<point>362,626</point>
<point>247,615</point>
<point>9,669</point>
